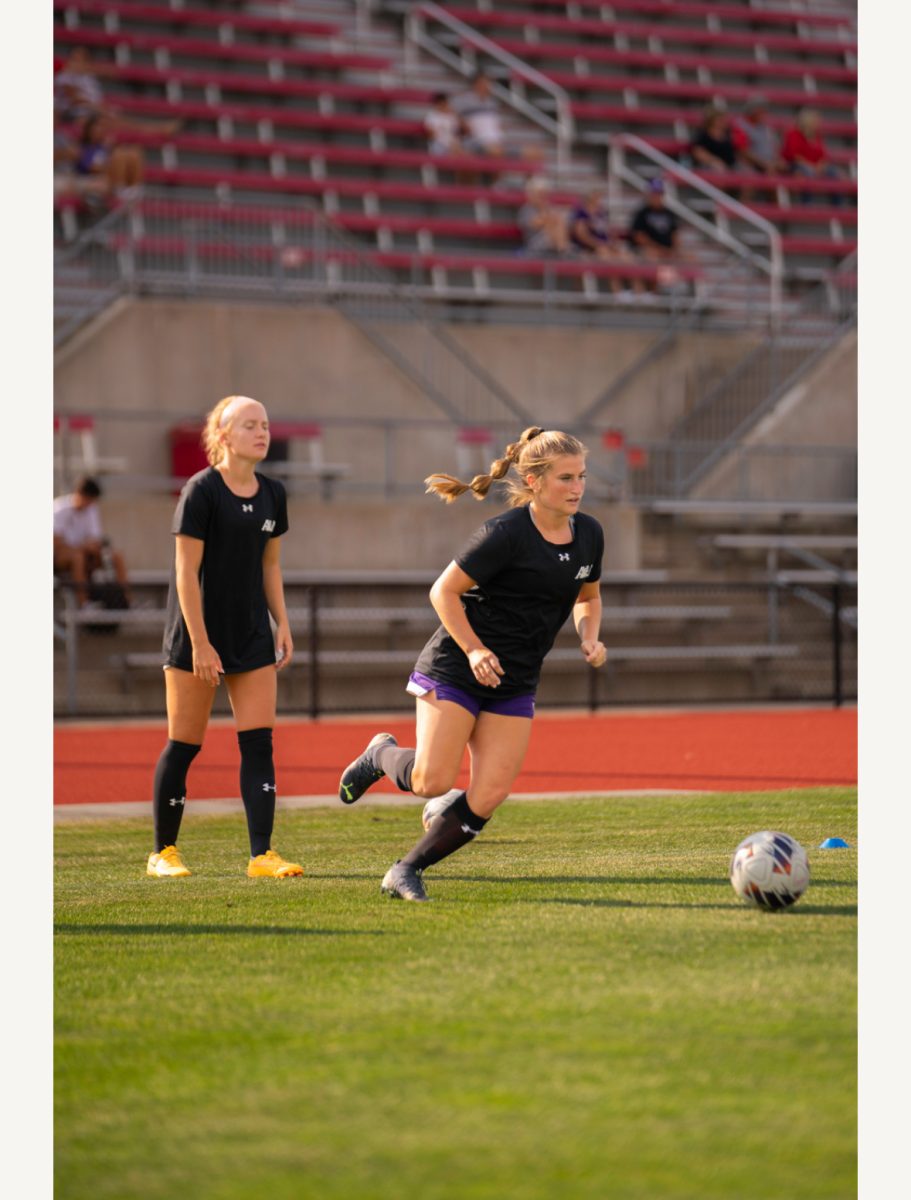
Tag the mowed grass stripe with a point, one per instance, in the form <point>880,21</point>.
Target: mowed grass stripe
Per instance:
<point>586,1010</point>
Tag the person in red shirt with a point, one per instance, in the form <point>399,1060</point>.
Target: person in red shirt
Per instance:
<point>803,152</point>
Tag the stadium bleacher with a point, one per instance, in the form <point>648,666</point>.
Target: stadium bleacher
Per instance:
<point>279,108</point>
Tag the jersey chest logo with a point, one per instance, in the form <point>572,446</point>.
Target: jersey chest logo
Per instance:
<point>584,572</point>
<point>268,526</point>
<point>246,508</point>
<point>563,557</point>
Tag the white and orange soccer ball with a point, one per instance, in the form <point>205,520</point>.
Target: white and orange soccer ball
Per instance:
<point>770,870</point>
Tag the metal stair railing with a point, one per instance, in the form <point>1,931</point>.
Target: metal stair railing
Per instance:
<point>771,266</point>
<point>88,268</point>
<point>757,382</point>
<point>417,34</point>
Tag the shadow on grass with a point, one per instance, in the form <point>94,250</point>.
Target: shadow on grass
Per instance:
<point>808,910</point>
<point>204,930</point>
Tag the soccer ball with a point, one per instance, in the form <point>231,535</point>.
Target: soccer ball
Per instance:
<point>770,870</point>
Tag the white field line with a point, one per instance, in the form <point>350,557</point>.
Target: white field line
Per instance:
<point>143,808</point>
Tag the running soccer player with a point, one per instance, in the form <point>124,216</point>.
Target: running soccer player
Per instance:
<point>501,602</point>
<point>226,581</point>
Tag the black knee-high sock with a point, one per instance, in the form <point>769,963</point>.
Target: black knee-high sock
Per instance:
<point>454,827</point>
<point>398,763</point>
<point>257,786</point>
<point>170,790</point>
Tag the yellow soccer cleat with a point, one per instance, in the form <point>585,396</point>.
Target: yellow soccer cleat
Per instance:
<point>272,866</point>
<point>167,864</point>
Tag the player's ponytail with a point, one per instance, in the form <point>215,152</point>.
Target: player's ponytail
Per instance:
<point>448,488</point>
<point>531,454</point>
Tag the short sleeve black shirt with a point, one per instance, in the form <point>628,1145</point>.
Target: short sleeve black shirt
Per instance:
<point>659,224</point>
<point>525,589</point>
<point>235,530</point>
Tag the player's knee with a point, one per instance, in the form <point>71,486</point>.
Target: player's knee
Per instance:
<point>485,802</point>
<point>430,781</point>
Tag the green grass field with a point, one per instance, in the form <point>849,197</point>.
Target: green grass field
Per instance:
<point>585,1011</point>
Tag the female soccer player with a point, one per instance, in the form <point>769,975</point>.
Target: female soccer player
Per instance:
<point>226,581</point>
<point>501,602</point>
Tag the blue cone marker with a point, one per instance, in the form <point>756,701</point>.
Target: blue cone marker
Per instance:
<point>833,844</point>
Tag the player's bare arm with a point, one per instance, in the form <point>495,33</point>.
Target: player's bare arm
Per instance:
<point>275,600</point>
<point>446,598</point>
<point>206,662</point>
<point>587,620</point>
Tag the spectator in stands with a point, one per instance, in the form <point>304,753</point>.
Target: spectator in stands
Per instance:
<point>441,126</point>
<point>66,182</point>
<point>713,148</point>
<point>479,114</point>
<point>589,230</point>
<point>80,546</point>
<point>544,226</point>
<point>654,229</point>
<point>758,142</point>
<point>804,154</point>
<point>654,233</point>
<point>78,95</point>
<point>121,167</point>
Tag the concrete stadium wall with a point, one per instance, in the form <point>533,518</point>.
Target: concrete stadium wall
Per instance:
<point>821,410</point>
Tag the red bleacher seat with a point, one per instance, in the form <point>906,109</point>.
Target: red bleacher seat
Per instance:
<point>740,14</point>
<point>706,92</point>
<point>291,118</point>
<point>215,17</point>
<point>589,27</point>
<point>376,94</point>
<point>329,153</point>
<point>741,67</point>
<point>237,51</point>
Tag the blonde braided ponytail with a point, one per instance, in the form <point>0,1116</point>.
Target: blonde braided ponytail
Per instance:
<point>448,488</point>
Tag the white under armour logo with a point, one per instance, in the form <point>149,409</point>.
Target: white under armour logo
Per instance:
<point>246,508</point>
<point>563,557</point>
<point>268,787</point>
<point>175,800</point>
<point>268,526</point>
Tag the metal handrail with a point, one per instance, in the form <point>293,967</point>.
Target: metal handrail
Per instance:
<point>773,266</point>
<point>563,129</point>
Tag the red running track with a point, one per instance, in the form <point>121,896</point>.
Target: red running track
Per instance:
<point>701,751</point>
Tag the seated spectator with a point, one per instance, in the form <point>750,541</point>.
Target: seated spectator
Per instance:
<point>66,182</point>
<point>78,95</point>
<point>441,126</point>
<point>121,167</point>
<point>758,141</point>
<point>654,228</point>
<point>803,153</point>
<point>479,114</point>
<point>713,146</point>
<point>589,230</point>
<point>543,226</point>
<point>79,542</point>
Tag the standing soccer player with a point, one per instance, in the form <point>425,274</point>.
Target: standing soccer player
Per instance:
<point>226,581</point>
<point>501,602</point>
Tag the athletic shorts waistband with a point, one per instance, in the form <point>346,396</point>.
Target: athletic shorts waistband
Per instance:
<point>513,706</point>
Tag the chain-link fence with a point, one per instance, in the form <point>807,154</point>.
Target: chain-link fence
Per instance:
<point>356,642</point>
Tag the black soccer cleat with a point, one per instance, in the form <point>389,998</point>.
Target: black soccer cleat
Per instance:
<point>363,773</point>
<point>402,882</point>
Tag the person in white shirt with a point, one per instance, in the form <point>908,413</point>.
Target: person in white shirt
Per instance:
<point>441,126</point>
<point>480,117</point>
<point>79,540</point>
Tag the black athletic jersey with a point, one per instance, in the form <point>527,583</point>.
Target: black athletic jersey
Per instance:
<point>525,589</point>
<point>236,530</point>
